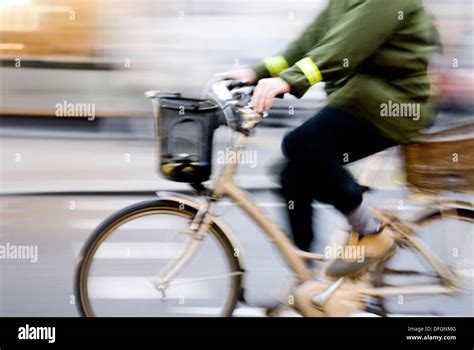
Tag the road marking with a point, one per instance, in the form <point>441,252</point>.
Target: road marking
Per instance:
<point>106,205</point>
<point>101,205</point>
<point>142,287</point>
<point>238,312</point>
<point>159,222</point>
<point>163,222</point>
<point>248,312</point>
<point>261,312</point>
<point>136,250</point>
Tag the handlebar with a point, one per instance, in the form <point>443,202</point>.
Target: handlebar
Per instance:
<point>233,97</point>
<point>236,91</point>
<point>233,92</point>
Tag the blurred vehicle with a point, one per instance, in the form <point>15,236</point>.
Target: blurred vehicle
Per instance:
<point>457,79</point>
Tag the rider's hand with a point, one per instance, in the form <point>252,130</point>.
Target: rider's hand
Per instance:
<point>266,91</point>
<point>245,74</point>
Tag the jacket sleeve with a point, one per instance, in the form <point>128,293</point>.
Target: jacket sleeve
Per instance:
<point>356,36</point>
<point>272,66</point>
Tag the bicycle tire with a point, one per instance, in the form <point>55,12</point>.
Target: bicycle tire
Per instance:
<point>138,210</point>
<point>462,213</point>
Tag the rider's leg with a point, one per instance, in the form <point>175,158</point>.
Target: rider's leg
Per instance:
<point>298,201</point>
<point>317,151</point>
<point>296,188</point>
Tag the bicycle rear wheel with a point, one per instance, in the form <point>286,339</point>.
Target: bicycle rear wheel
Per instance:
<point>120,262</point>
<point>449,234</point>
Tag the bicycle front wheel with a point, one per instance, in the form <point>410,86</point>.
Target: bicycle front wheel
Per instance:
<point>121,261</point>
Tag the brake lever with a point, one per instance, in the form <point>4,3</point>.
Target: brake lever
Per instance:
<point>245,94</point>
<point>244,102</point>
<point>233,84</point>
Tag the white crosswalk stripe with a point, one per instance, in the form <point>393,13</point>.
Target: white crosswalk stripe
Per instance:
<point>137,250</point>
<point>142,287</point>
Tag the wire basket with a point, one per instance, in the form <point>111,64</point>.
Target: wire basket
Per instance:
<point>184,130</point>
<point>443,161</point>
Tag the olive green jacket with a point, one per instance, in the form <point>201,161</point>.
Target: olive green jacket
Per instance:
<point>373,56</point>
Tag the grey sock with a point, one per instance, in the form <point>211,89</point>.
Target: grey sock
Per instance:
<point>363,220</point>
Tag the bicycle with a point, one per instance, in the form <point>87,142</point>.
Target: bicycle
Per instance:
<point>194,262</point>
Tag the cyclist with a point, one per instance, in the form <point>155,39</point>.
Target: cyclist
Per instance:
<point>373,56</point>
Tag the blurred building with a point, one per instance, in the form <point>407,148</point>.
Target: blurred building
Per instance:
<point>109,52</point>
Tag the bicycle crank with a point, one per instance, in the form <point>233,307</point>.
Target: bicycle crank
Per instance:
<point>319,299</point>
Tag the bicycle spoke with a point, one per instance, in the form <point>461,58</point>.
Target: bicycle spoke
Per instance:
<point>121,280</point>
<point>205,278</point>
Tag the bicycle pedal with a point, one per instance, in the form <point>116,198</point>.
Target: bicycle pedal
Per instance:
<point>376,308</point>
<point>358,277</point>
<point>275,311</point>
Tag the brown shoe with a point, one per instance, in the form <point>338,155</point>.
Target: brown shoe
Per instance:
<point>374,248</point>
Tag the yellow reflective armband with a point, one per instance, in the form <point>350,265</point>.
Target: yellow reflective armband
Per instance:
<point>275,65</point>
<point>310,70</point>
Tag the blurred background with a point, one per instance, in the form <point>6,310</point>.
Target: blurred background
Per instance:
<point>108,52</point>
<point>60,176</point>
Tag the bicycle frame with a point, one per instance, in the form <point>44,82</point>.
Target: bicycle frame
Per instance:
<point>224,186</point>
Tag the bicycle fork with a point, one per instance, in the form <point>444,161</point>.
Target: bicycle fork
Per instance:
<point>195,235</point>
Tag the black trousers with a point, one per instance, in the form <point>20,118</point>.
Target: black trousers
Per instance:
<point>317,152</point>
